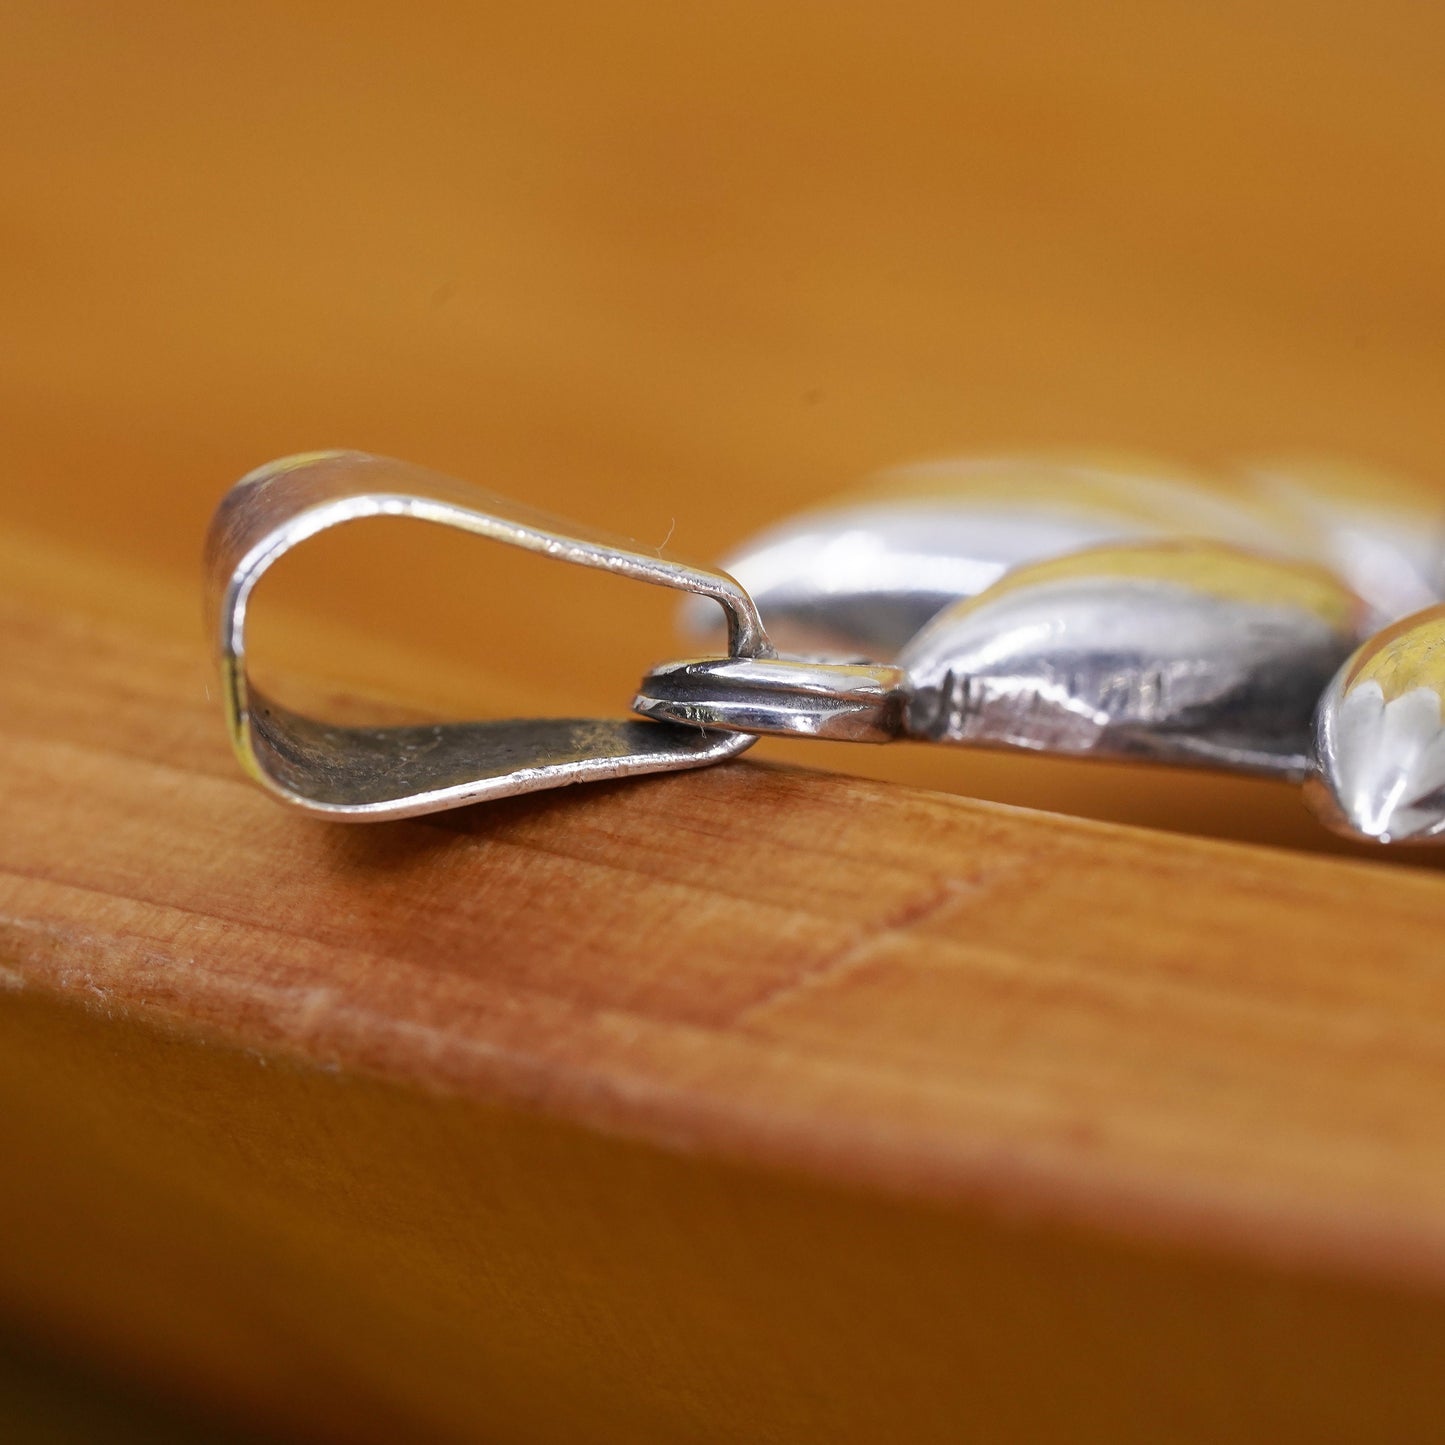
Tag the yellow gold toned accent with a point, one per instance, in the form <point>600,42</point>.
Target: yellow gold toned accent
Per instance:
<point>1216,570</point>
<point>1408,655</point>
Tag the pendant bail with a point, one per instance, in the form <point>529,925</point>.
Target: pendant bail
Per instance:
<point>368,773</point>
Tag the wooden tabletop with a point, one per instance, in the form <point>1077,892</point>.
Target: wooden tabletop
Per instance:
<point>605,1064</point>
<point>848,1094</point>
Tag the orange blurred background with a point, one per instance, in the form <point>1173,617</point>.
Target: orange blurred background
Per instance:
<point>678,270</point>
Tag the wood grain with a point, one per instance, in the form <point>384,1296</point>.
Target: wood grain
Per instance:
<point>730,1101</point>
<point>751,1105</point>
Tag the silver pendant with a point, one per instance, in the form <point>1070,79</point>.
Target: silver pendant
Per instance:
<point>1191,653</point>
<point>862,577</point>
<point>1195,652</point>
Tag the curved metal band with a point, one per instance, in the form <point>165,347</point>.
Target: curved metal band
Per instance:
<point>847,701</point>
<point>397,772</point>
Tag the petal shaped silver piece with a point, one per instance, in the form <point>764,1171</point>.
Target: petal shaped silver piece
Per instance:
<point>858,578</point>
<point>395,772</point>
<point>1379,738</point>
<point>1193,652</point>
<point>862,577</point>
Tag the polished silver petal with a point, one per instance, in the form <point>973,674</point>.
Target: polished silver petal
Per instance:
<point>1194,653</point>
<point>1379,740</point>
<point>862,577</point>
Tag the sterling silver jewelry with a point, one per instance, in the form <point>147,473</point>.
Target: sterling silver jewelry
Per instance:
<point>866,574</point>
<point>1089,635</point>
<point>397,772</point>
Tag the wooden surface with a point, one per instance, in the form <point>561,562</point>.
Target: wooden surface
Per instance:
<point>749,1105</point>
<point>745,1104</point>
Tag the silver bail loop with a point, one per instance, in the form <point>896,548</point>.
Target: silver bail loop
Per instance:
<point>368,773</point>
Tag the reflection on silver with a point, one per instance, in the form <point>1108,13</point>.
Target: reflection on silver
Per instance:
<point>1188,653</point>
<point>368,773</point>
<point>850,702</point>
<point>1179,652</point>
<point>1379,741</point>
<point>1185,651</point>
<point>861,578</point>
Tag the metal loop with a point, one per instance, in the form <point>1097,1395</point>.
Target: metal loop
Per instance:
<point>396,772</point>
<point>845,701</point>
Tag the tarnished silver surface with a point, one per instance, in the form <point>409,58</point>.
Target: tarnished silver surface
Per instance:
<point>851,702</point>
<point>1379,740</point>
<point>370,773</point>
<point>1192,653</point>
